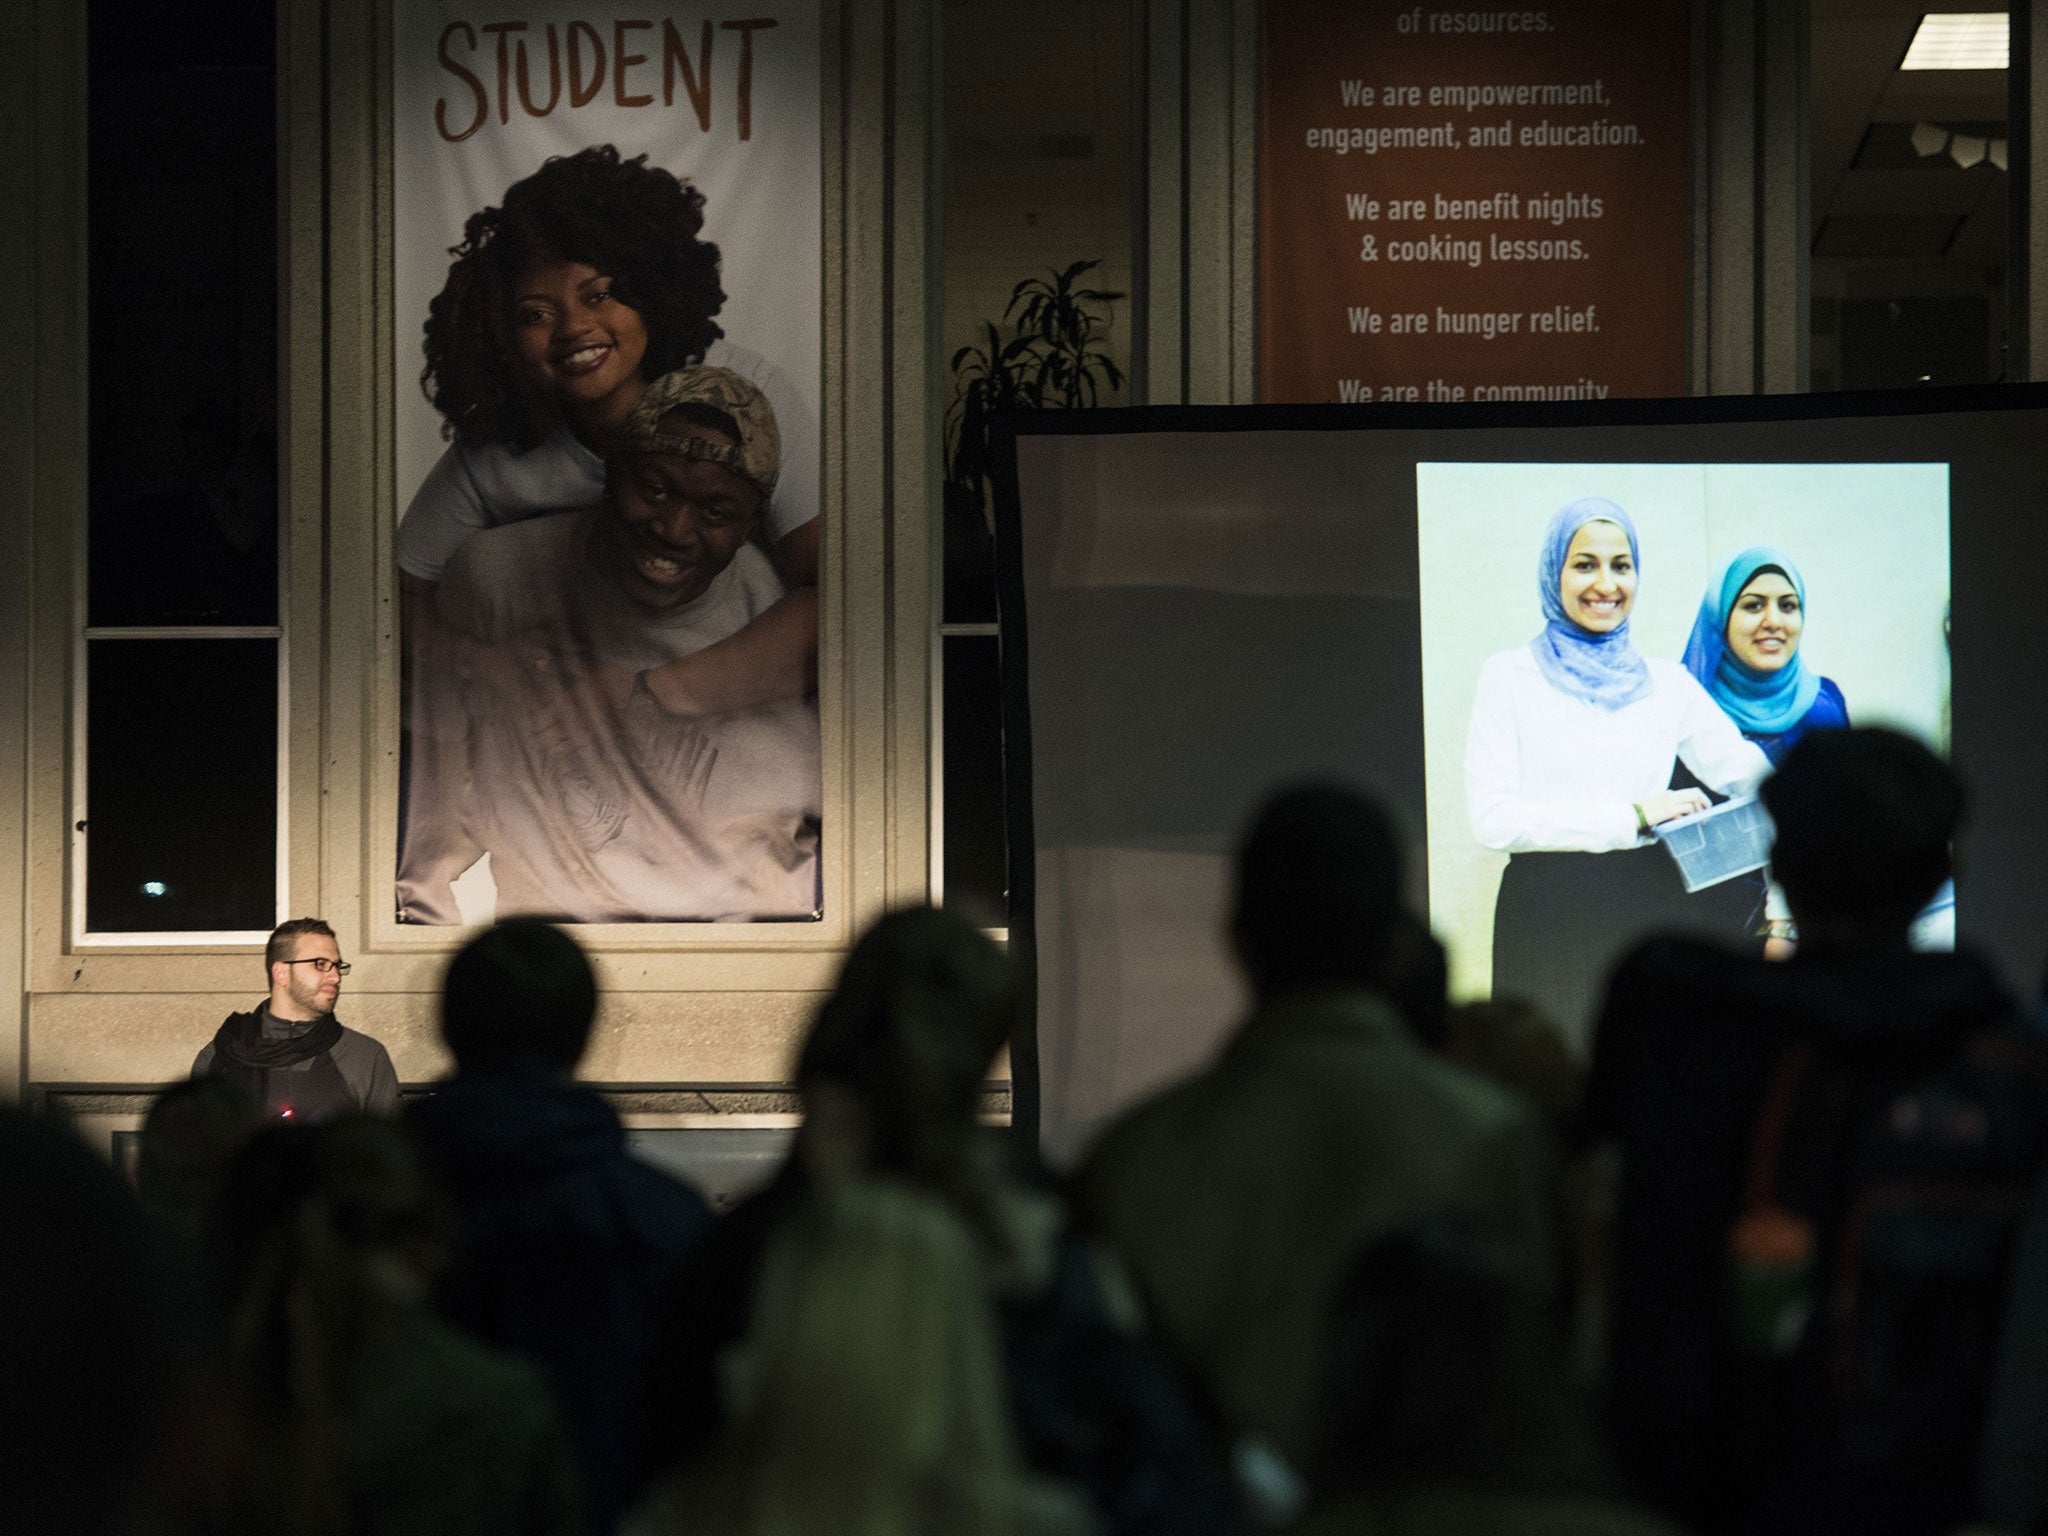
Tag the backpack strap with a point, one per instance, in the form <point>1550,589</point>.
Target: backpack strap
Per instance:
<point>1767,1144</point>
<point>1771,1250</point>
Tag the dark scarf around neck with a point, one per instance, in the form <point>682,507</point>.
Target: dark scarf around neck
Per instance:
<point>240,1040</point>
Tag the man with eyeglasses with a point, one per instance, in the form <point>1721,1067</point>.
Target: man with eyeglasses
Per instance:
<point>290,1054</point>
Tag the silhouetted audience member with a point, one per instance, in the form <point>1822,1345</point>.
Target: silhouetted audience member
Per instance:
<point>892,1076</point>
<point>1823,1162</point>
<point>371,1415</point>
<point>90,1364</point>
<point>569,1246</point>
<point>1512,1042</point>
<point>1444,1413</point>
<point>1515,1044</point>
<point>870,1394</point>
<point>1418,979</point>
<point>1239,1197</point>
<point>191,1133</point>
<point>2013,1459</point>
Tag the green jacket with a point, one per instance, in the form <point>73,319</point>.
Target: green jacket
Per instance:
<point>1239,1197</point>
<point>451,1438</point>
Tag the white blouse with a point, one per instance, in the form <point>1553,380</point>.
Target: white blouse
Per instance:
<point>1546,771</point>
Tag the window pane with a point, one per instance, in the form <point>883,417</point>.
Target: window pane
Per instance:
<point>181,785</point>
<point>970,556</point>
<point>182,295</point>
<point>1040,171</point>
<point>1898,343</point>
<point>976,868</point>
<point>1910,205</point>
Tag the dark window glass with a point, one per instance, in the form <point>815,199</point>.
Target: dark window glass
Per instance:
<point>181,785</point>
<point>1897,343</point>
<point>976,867</point>
<point>182,298</point>
<point>1041,169</point>
<point>1043,133</point>
<point>970,553</point>
<point>1911,204</point>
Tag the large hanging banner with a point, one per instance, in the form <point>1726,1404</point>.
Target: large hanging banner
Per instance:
<point>608,264</point>
<point>1467,203</point>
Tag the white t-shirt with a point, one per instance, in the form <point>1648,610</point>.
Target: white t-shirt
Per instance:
<point>1546,771</point>
<point>592,811</point>
<point>473,488</point>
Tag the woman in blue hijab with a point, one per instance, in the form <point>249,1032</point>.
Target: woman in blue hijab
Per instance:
<point>1745,652</point>
<point>1575,745</point>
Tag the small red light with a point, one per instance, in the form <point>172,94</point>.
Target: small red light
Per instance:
<point>285,1113</point>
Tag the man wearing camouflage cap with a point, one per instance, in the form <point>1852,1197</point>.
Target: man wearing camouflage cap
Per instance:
<point>594,802</point>
<point>700,453</point>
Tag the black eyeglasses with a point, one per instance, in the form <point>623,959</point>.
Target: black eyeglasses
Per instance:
<point>323,965</point>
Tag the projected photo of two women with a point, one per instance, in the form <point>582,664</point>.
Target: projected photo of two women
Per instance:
<point>1562,644</point>
<point>1610,651</point>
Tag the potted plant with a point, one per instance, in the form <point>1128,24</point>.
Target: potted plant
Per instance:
<point>1047,353</point>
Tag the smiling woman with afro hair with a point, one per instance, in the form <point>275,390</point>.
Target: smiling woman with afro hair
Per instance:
<point>635,223</point>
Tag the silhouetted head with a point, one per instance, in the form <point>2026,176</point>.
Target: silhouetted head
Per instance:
<point>1318,891</point>
<point>522,990</point>
<point>313,1202</point>
<point>1434,1365</point>
<point>188,1136</point>
<point>877,1398</point>
<point>1512,1042</point>
<point>906,1039</point>
<point>85,1330</point>
<point>325,1238</point>
<point>1418,979</point>
<point>1865,819</point>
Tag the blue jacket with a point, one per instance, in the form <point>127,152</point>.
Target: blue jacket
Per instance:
<point>568,1253</point>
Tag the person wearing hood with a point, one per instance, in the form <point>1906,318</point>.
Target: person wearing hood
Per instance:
<point>569,1245</point>
<point>1569,765</point>
<point>1823,1168</point>
<point>290,1055</point>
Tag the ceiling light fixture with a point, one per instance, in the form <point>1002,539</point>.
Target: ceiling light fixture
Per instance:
<point>1929,139</point>
<point>1958,40</point>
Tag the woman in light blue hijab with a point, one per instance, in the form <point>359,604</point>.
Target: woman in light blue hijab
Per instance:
<point>1573,757</point>
<point>1745,651</point>
<point>1577,652</point>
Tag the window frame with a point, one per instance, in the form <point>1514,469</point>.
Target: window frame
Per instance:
<point>692,1005</point>
<point>56,886</point>
<point>80,935</point>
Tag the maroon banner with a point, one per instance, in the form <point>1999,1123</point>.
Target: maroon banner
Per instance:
<point>1470,204</point>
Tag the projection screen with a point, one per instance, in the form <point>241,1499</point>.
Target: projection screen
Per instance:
<point>1200,604</point>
